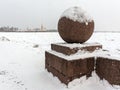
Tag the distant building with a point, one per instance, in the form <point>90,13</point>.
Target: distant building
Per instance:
<point>42,28</point>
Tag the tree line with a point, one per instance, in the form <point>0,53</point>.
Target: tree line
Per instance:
<point>8,29</point>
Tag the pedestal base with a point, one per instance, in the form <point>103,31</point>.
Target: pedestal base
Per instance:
<point>63,62</point>
<point>67,70</point>
<point>108,69</point>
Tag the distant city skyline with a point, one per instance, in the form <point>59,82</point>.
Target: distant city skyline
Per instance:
<point>32,13</point>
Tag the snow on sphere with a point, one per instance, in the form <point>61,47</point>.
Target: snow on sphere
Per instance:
<point>77,14</point>
<point>75,25</point>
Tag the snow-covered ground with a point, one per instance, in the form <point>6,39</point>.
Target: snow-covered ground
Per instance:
<point>22,62</point>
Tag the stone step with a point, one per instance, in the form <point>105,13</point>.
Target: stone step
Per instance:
<point>108,69</point>
<point>69,68</point>
<point>69,49</point>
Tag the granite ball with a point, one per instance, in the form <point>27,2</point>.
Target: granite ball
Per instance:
<point>75,25</point>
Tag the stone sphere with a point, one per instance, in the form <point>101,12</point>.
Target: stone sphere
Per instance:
<point>75,25</point>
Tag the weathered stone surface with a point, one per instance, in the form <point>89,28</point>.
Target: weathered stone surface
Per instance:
<point>68,70</point>
<point>74,31</point>
<point>108,69</point>
<point>68,51</point>
<point>64,79</point>
<point>56,62</point>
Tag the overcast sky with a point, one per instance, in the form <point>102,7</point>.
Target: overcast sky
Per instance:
<point>33,13</point>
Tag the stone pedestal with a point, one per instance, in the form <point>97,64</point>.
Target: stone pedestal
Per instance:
<point>71,61</point>
<point>108,68</point>
<point>69,49</point>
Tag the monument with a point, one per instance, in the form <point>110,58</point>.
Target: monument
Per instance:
<point>76,58</point>
<point>75,25</point>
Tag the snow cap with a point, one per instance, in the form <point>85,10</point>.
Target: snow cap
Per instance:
<point>77,14</point>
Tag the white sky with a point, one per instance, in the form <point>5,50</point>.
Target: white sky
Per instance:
<point>33,13</point>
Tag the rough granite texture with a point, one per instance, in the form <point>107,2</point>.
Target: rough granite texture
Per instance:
<point>68,70</point>
<point>107,68</point>
<point>68,51</point>
<point>74,31</point>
